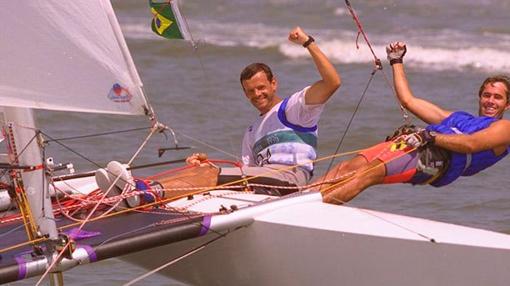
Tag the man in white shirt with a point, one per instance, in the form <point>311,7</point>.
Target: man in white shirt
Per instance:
<point>279,147</point>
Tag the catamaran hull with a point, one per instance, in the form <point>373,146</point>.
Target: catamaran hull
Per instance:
<point>306,242</point>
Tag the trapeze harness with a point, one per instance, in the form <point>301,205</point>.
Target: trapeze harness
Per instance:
<point>465,164</point>
<point>290,145</point>
<point>433,165</point>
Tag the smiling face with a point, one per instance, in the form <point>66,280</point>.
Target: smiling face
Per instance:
<point>261,91</point>
<point>493,100</point>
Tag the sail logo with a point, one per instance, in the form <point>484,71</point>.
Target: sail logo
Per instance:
<point>118,93</point>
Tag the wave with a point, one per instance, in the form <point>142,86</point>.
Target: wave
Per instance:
<point>432,58</point>
<point>446,49</point>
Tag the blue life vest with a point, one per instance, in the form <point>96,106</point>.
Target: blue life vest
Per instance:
<point>465,164</point>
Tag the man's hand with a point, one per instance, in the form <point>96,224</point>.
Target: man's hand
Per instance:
<point>197,159</point>
<point>420,138</point>
<point>396,52</point>
<point>298,36</point>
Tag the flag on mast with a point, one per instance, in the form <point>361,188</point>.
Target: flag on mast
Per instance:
<point>168,21</point>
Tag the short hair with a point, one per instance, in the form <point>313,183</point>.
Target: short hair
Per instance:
<point>252,69</point>
<point>496,78</point>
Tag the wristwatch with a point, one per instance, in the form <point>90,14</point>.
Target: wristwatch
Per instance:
<point>430,136</point>
<point>308,42</point>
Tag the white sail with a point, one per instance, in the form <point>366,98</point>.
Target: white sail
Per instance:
<point>66,55</point>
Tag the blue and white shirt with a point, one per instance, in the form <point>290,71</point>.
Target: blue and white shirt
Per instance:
<point>287,134</point>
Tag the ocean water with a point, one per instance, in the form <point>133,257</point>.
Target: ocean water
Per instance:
<point>452,46</point>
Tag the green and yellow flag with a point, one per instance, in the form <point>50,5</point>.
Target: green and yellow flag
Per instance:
<point>168,21</point>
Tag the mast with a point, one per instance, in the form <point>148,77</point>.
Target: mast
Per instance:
<point>28,152</point>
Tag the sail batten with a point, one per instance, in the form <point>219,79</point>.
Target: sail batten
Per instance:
<point>67,55</point>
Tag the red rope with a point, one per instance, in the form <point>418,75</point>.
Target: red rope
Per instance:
<point>377,61</point>
<point>237,164</point>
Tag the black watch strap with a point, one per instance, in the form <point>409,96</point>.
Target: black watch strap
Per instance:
<point>396,61</point>
<point>308,42</point>
<point>429,136</point>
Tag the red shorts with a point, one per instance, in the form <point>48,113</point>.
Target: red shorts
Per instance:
<point>400,164</point>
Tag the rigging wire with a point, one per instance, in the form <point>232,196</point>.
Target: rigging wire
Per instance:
<point>377,66</point>
<point>403,111</point>
<point>59,141</point>
<point>209,145</point>
<point>194,44</point>
<point>173,261</point>
<point>96,134</point>
<point>10,231</point>
<point>349,125</point>
<point>379,164</point>
<point>377,61</point>
<point>78,153</point>
<point>71,149</point>
<point>431,239</point>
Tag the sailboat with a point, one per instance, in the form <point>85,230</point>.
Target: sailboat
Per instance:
<point>71,56</point>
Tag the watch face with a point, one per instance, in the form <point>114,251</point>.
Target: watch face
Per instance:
<point>432,136</point>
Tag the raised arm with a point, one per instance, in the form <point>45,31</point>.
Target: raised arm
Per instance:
<point>323,89</point>
<point>425,110</point>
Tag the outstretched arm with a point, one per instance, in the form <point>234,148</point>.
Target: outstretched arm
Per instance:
<point>425,110</point>
<point>323,89</point>
<point>496,137</point>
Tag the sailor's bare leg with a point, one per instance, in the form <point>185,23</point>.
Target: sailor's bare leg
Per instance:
<point>368,175</point>
<point>342,171</point>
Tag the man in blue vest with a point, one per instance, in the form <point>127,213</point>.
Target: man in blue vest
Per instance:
<point>454,144</point>
<point>279,147</point>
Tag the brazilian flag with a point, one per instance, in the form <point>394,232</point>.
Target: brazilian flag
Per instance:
<point>167,21</point>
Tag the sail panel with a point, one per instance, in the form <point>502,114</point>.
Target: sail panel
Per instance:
<point>66,55</point>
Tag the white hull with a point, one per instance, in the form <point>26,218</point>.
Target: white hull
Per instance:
<point>301,241</point>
